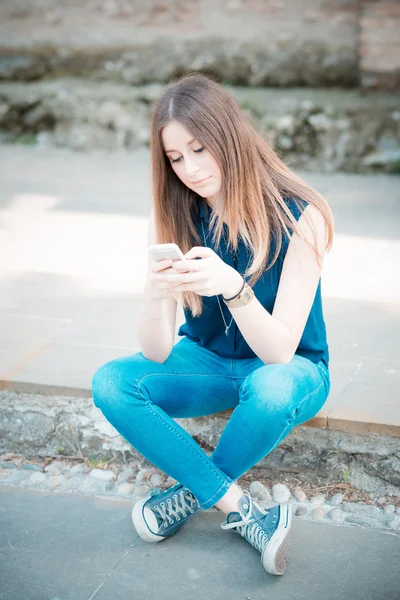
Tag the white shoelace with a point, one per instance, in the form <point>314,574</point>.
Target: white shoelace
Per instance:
<point>169,512</point>
<point>250,529</point>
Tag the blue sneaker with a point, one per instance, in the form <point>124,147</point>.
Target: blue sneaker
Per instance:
<point>162,514</point>
<point>265,529</point>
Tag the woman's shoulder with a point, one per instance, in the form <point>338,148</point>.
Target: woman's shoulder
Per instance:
<point>296,206</point>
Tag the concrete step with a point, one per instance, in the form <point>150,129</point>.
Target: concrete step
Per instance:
<point>39,424</point>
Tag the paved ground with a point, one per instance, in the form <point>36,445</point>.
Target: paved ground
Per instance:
<point>73,229</point>
<point>55,547</point>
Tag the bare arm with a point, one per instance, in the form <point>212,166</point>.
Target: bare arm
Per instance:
<point>274,337</point>
<point>156,337</point>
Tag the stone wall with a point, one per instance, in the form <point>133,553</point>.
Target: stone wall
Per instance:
<point>34,424</point>
<point>245,42</point>
<point>380,44</point>
<point>84,74</point>
<point>323,130</point>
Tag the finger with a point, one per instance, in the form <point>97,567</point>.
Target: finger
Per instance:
<point>199,251</point>
<point>177,277</point>
<point>186,265</point>
<point>161,264</point>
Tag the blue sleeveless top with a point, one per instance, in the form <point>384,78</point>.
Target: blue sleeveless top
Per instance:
<point>208,329</point>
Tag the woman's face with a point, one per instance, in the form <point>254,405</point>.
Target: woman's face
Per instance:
<point>192,163</point>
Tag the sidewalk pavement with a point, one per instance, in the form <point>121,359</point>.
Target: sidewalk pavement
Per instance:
<point>73,242</point>
<point>56,547</point>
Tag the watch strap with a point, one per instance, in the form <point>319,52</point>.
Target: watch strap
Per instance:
<point>236,295</point>
<point>242,299</point>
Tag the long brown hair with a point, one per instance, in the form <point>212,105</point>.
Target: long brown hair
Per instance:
<point>254,179</point>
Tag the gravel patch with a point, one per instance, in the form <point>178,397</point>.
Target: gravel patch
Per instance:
<point>336,504</point>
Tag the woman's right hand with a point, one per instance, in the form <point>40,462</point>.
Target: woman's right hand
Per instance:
<point>156,290</point>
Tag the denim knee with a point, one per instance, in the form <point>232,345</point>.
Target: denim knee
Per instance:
<point>106,384</point>
<point>272,393</point>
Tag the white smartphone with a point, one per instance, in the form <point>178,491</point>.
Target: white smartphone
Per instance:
<point>159,252</point>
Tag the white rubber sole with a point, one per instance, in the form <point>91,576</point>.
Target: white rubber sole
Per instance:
<point>275,556</point>
<point>140,524</point>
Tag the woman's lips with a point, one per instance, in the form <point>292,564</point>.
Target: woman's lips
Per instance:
<point>200,181</point>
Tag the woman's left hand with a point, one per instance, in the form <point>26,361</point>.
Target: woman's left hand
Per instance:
<point>208,277</point>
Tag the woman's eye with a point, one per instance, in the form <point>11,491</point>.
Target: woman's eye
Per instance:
<point>179,158</point>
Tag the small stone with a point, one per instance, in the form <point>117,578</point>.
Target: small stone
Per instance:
<point>91,485</point>
<point>336,515</point>
<point>171,482</point>
<point>102,475</point>
<point>142,475</point>
<point>125,474</point>
<point>125,489</point>
<point>79,468</point>
<point>37,478</point>
<point>318,499</point>
<point>54,468</point>
<point>285,142</point>
<point>319,122</point>
<point>285,123</point>
<point>57,481</point>
<point>364,509</point>
<point>6,464</point>
<point>299,495</point>
<point>76,483</point>
<point>142,490</point>
<point>307,105</point>
<point>44,139</point>
<point>382,158</point>
<point>109,486</point>
<point>17,476</point>
<point>155,480</point>
<point>389,509</point>
<point>280,493</point>
<point>336,499</point>
<point>259,491</point>
<point>31,467</point>
<point>393,522</point>
<point>317,514</point>
<point>363,520</point>
<point>301,511</point>
<point>381,500</point>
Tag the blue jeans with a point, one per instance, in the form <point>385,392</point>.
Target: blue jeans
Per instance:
<point>140,397</point>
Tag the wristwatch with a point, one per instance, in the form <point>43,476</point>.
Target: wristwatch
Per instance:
<point>243,298</point>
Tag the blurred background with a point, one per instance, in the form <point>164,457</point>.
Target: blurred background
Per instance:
<point>319,79</point>
<point>83,74</point>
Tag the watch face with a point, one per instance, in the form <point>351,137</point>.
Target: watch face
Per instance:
<point>246,297</point>
<point>243,299</point>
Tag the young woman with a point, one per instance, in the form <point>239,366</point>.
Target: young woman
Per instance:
<point>254,236</point>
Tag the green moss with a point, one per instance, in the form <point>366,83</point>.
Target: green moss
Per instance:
<point>26,139</point>
<point>345,475</point>
<point>395,168</point>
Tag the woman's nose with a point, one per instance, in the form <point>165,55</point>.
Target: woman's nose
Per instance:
<point>191,167</point>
